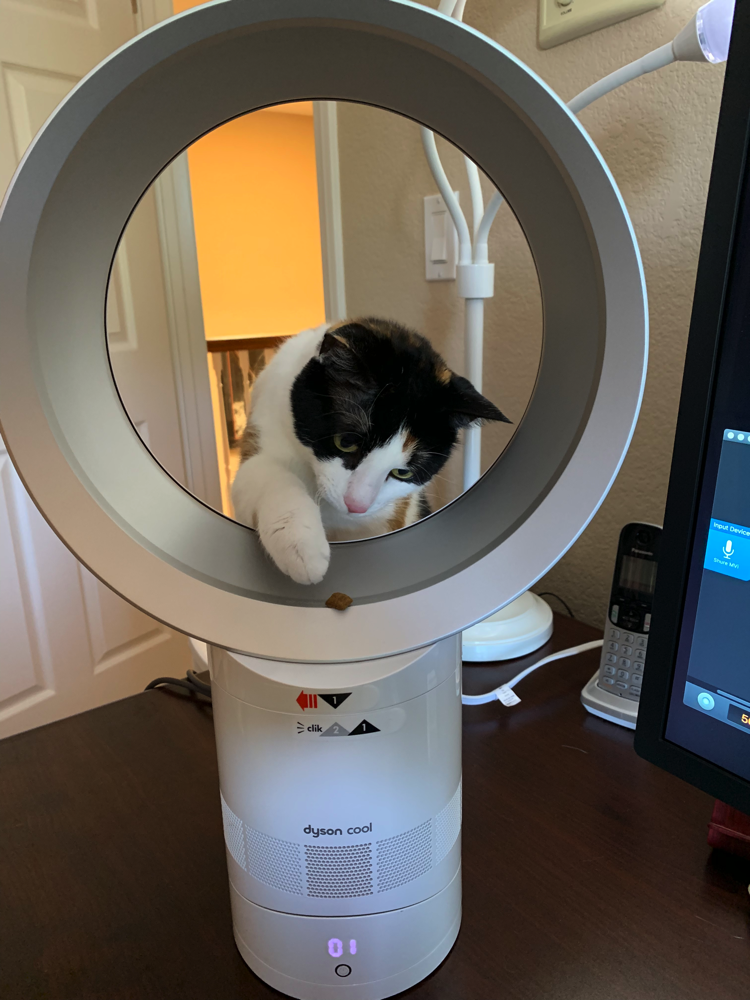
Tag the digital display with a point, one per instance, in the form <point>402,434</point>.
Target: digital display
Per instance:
<point>638,574</point>
<point>336,947</point>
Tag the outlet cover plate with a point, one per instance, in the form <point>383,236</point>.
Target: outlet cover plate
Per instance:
<point>562,20</point>
<point>439,234</point>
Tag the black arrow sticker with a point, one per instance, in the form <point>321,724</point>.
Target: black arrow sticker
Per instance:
<point>363,728</point>
<point>334,700</point>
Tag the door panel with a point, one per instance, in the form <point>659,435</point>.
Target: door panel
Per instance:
<point>32,97</point>
<point>116,631</point>
<point>67,642</point>
<point>21,626</point>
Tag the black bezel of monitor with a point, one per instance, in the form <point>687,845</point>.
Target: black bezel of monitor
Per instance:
<point>730,183</point>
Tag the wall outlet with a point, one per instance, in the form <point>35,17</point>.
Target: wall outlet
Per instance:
<point>440,240</point>
<point>562,20</point>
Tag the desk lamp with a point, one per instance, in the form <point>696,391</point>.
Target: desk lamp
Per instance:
<point>526,623</point>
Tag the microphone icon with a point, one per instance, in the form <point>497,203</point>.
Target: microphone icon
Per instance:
<point>728,548</point>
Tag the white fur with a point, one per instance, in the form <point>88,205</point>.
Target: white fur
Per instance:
<point>297,502</point>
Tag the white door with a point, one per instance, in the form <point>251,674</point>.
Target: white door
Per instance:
<point>67,643</point>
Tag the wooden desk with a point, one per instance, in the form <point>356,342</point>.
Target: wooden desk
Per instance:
<point>586,870</point>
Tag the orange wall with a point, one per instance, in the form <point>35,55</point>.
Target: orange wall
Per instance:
<point>255,203</point>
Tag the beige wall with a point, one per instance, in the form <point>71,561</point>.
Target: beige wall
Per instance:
<point>657,136</point>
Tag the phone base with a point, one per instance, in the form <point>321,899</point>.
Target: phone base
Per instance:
<point>608,706</point>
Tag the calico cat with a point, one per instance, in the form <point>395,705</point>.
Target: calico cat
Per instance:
<point>348,425</point>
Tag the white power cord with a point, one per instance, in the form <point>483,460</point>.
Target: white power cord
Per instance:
<point>505,692</point>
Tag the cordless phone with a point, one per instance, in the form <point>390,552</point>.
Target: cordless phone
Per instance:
<point>614,691</point>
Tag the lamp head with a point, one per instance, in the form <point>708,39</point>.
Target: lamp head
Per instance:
<point>705,38</point>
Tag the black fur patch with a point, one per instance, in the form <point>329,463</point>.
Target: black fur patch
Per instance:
<point>373,378</point>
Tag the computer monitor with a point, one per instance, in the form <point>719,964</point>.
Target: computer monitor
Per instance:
<point>694,715</point>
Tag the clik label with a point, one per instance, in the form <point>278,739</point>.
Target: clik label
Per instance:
<point>347,727</point>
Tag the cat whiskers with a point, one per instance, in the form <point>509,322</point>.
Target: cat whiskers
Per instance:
<point>362,419</point>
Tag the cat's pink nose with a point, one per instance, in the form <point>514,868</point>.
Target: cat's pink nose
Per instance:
<point>356,506</point>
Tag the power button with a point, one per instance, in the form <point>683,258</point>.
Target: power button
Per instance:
<point>343,970</point>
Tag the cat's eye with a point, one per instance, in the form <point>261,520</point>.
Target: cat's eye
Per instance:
<point>346,442</point>
<point>402,473</point>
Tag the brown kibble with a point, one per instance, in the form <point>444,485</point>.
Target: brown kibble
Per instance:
<point>339,602</point>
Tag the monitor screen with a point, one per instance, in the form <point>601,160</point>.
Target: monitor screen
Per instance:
<point>694,713</point>
<point>712,678</point>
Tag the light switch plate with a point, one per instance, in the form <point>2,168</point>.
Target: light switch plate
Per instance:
<point>440,240</point>
<point>562,20</point>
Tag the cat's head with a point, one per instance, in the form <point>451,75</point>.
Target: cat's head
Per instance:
<point>381,412</point>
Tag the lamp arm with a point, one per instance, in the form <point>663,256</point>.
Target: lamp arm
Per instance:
<point>483,230</point>
<point>662,56</point>
<point>473,305</point>
<point>459,220</point>
<point>477,199</point>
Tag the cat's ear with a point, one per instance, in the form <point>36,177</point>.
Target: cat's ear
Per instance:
<point>469,406</point>
<point>332,341</point>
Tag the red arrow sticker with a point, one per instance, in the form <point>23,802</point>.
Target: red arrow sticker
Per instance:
<point>307,700</point>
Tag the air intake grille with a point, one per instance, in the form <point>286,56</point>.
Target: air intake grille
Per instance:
<point>234,833</point>
<point>405,857</point>
<point>448,826</point>
<point>275,862</point>
<point>339,872</point>
<point>350,870</point>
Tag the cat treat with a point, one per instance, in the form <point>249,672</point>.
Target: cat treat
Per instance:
<point>339,601</point>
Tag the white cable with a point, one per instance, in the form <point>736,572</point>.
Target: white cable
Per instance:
<point>498,693</point>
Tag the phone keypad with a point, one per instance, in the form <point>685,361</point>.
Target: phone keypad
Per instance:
<point>622,663</point>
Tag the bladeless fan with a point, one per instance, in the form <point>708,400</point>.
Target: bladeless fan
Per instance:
<point>338,733</point>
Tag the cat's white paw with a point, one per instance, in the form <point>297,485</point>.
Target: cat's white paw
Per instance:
<point>297,544</point>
